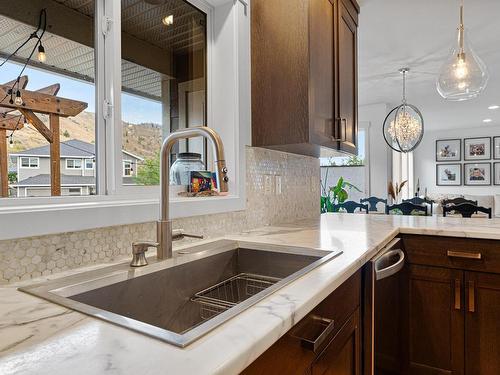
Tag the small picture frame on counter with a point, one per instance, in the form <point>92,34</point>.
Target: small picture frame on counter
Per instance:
<point>477,148</point>
<point>477,174</point>
<point>448,174</point>
<point>448,150</point>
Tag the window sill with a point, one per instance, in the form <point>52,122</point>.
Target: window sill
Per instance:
<point>34,217</point>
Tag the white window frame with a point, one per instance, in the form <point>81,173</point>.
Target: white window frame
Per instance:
<point>228,112</point>
<point>92,164</point>
<point>130,163</point>
<point>30,158</point>
<point>74,160</point>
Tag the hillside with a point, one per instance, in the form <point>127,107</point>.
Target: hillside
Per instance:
<point>140,139</point>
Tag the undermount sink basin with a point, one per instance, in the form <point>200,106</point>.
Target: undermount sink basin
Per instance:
<point>180,299</point>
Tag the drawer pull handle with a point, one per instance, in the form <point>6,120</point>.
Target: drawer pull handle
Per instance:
<point>314,344</point>
<point>465,255</point>
<point>457,294</point>
<point>472,297</point>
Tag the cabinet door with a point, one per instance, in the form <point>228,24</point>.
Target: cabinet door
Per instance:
<point>342,356</point>
<point>436,321</point>
<point>322,82</point>
<point>482,323</point>
<point>347,77</point>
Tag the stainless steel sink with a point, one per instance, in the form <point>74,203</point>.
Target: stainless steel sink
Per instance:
<point>181,299</point>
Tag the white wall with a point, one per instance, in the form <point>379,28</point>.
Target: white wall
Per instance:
<point>425,160</point>
<point>378,152</point>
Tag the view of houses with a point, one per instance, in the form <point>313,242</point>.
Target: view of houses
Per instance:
<point>31,169</point>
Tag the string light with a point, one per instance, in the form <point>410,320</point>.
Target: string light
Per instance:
<point>19,99</point>
<point>41,53</point>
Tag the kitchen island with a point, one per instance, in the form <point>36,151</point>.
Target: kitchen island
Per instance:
<point>39,337</point>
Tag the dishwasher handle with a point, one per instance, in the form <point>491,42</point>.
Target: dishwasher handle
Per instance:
<point>385,266</point>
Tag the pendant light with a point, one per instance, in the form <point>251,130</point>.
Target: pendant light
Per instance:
<point>404,125</point>
<point>464,75</point>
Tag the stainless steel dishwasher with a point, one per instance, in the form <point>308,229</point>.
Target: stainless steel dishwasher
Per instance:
<point>384,285</point>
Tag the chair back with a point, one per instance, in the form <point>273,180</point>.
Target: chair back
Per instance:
<point>421,201</point>
<point>351,206</point>
<point>407,208</point>
<point>372,202</point>
<point>466,209</point>
<point>455,201</point>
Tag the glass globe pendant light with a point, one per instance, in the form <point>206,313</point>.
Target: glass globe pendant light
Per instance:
<point>404,125</point>
<point>464,75</point>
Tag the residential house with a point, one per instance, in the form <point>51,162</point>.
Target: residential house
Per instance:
<point>77,169</point>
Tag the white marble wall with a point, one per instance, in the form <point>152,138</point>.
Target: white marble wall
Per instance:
<point>298,198</point>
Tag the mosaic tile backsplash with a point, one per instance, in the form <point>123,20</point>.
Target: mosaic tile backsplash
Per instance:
<point>281,188</point>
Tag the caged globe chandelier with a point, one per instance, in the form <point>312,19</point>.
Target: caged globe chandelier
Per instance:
<point>404,125</point>
<point>463,75</point>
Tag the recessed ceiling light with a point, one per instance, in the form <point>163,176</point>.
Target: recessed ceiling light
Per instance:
<point>168,20</point>
<point>494,106</point>
<point>487,120</point>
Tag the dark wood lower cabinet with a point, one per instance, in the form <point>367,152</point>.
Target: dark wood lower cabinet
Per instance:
<point>326,341</point>
<point>342,356</point>
<point>453,306</point>
<point>482,323</point>
<point>436,321</point>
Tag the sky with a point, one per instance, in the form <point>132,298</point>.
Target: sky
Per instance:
<point>134,109</point>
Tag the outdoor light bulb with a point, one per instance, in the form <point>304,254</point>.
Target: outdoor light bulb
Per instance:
<point>41,53</point>
<point>11,142</point>
<point>18,100</point>
<point>168,20</point>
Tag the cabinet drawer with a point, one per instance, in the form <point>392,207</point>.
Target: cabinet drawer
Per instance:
<point>461,253</point>
<point>295,351</point>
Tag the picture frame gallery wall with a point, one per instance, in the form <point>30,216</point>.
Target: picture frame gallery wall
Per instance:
<point>467,161</point>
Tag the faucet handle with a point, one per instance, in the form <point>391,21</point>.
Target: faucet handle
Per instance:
<point>178,234</point>
<point>139,252</point>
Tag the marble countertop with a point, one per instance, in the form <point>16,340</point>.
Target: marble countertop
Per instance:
<point>39,337</point>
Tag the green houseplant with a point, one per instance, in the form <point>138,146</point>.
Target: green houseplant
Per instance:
<point>335,194</point>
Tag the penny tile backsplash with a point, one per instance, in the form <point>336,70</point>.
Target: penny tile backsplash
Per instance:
<point>280,188</point>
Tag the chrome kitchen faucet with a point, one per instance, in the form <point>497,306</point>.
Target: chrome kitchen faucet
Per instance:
<point>164,224</point>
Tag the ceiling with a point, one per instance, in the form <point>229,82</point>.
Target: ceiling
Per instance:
<point>142,19</point>
<point>420,34</point>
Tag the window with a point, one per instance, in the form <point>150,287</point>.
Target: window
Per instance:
<point>127,168</point>
<point>30,162</point>
<point>353,169</point>
<point>163,82</point>
<point>73,163</point>
<point>89,163</point>
<point>66,70</point>
<point>213,55</point>
<point>75,191</point>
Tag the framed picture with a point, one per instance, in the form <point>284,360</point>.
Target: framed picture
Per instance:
<point>496,148</point>
<point>448,150</point>
<point>477,174</point>
<point>477,148</point>
<point>496,173</point>
<point>448,174</point>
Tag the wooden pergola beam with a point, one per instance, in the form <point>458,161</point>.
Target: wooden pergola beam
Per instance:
<point>43,103</point>
<point>11,123</point>
<point>38,124</point>
<point>4,165</point>
<point>55,156</point>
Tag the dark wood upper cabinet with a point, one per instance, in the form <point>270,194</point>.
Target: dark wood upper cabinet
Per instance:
<point>304,75</point>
